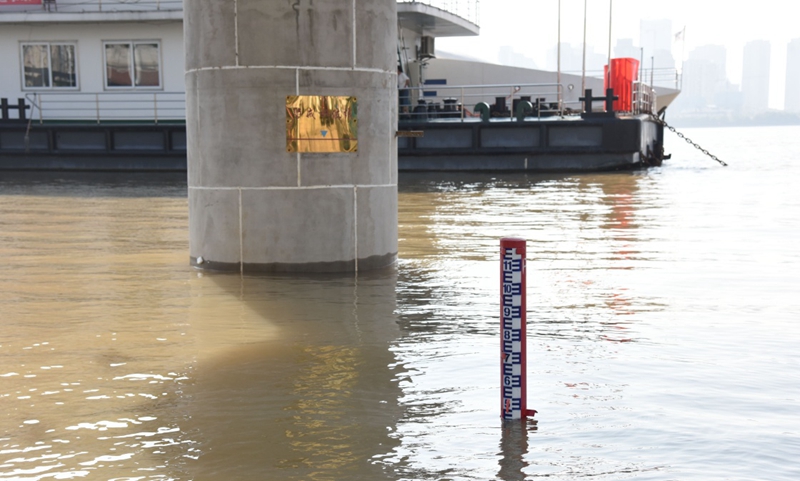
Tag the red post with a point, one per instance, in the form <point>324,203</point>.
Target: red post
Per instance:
<point>512,329</point>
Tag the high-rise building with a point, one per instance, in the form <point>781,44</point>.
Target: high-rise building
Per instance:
<point>655,35</point>
<point>507,55</point>
<point>755,77</point>
<point>704,77</point>
<point>656,38</point>
<point>572,59</point>
<point>791,101</point>
<point>625,48</point>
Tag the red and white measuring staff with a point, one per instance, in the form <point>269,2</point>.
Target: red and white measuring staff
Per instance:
<point>512,329</point>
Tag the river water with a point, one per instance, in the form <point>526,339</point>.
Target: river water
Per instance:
<point>663,332</point>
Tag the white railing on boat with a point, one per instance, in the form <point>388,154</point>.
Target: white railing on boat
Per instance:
<point>108,106</point>
<point>664,77</point>
<point>467,9</point>
<point>458,102</point>
<point>438,102</point>
<point>659,77</point>
<point>90,6</point>
<point>644,99</point>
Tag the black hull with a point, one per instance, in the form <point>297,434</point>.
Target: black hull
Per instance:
<point>554,145</point>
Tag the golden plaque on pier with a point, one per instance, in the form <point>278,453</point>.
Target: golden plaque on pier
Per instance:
<point>318,123</point>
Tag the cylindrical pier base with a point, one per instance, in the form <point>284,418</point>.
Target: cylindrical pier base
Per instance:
<point>271,187</point>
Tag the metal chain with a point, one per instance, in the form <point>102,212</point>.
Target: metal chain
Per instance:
<point>687,139</point>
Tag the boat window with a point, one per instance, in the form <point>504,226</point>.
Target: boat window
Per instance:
<point>132,65</point>
<point>146,64</point>
<point>63,65</point>
<point>49,65</point>
<point>118,71</point>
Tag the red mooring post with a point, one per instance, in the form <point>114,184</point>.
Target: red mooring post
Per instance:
<point>512,329</point>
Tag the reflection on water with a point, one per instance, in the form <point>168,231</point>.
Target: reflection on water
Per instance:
<point>584,241</point>
<point>315,401</point>
<point>662,335</point>
<point>575,227</point>
<point>514,449</point>
<point>118,360</point>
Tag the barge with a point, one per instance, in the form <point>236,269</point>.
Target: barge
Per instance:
<point>545,145</point>
<point>100,86</point>
<point>455,129</point>
<point>579,145</point>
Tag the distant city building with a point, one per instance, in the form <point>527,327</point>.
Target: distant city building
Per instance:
<point>572,60</point>
<point>704,77</point>
<point>510,57</point>
<point>655,35</point>
<point>626,48</point>
<point>656,39</point>
<point>755,77</point>
<point>706,89</point>
<point>792,98</point>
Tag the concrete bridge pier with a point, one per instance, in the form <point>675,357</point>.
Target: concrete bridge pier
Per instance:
<point>259,198</point>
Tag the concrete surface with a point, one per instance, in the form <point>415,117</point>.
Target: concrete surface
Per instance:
<point>254,206</point>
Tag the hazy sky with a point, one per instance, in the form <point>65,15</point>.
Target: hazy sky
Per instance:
<point>530,27</point>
